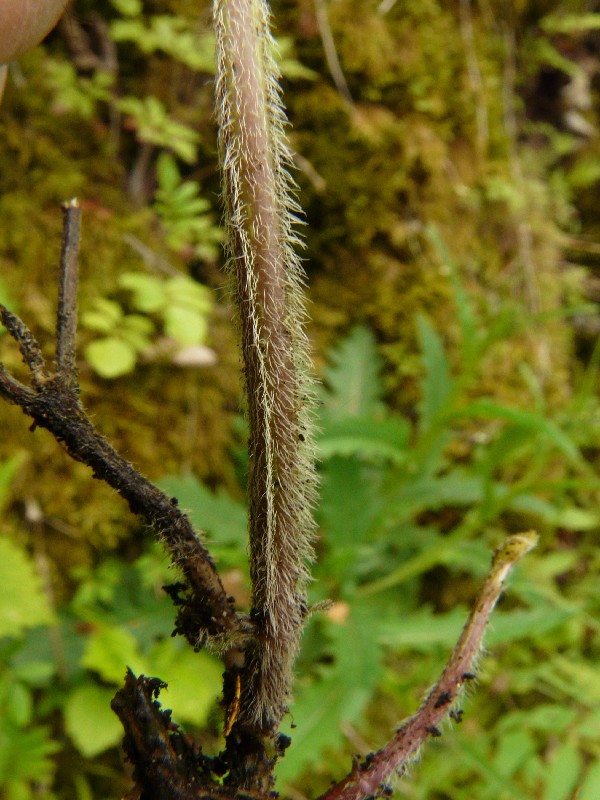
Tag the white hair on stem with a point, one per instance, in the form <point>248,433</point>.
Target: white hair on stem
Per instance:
<point>267,277</point>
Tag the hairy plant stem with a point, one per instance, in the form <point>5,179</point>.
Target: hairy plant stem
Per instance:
<point>267,281</point>
<point>369,778</point>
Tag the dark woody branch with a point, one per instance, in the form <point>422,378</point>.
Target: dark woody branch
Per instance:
<point>205,613</point>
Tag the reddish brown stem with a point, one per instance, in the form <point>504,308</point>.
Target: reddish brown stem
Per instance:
<point>369,778</point>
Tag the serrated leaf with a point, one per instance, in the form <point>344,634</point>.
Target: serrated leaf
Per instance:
<point>23,603</point>
<point>111,357</point>
<point>535,422</point>
<point>322,706</point>
<point>457,488</point>
<point>25,754</point>
<point>437,383</point>
<point>370,439</point>
<point>350,502</point>
<point>221,517</point>
<point>353,377</point>
<point>89,720</point>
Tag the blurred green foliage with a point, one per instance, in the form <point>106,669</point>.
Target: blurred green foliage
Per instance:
<point>57,681</point>
<point>463,406</point>
<point>397,508</point>
<point>180,305</point>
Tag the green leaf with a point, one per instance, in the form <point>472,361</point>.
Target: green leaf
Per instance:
<point>89,720</point>
<point>563,772</point>
<point>23,603</point>
<point>423,630</point>
<point>223,519</point>
<point>426,631</point>
<point>469,333</point>
<point>526,624</point>
<point>111,357</point>
<point>515,748</point>
<point>290,67</point>
<point>437,383</point>
<point>570,24</point>
<point>352,378</point>
<point>104,317</point>
<point>185,325</point>
<point>136,332</point>
<point>149,293</point>
<point>194,680</point>
<point>550,719</point>
<point>370,439</point>
<point>18,704</point>
<point>129,8</point>
<point>350,502</point>
<point>341,695</point>
<point>25,754</point>
<point>184,291</point>
<point>535,422</point>
<point>497,782</point>
<point>139,324</point>
<point>156,127</point>
<point>110,651</point>
<point>33,672</point>
<point>590,788</point>
<point>8,469</point>
<point>167,172</point>
<point>457,488</point>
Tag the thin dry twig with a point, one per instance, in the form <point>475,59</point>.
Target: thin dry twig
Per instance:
<point>66,319</point>
<point>474,73</point>
<point>331,56</point>
<point>369,778</point>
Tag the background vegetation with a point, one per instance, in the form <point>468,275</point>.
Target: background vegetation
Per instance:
<point>448,162</point>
